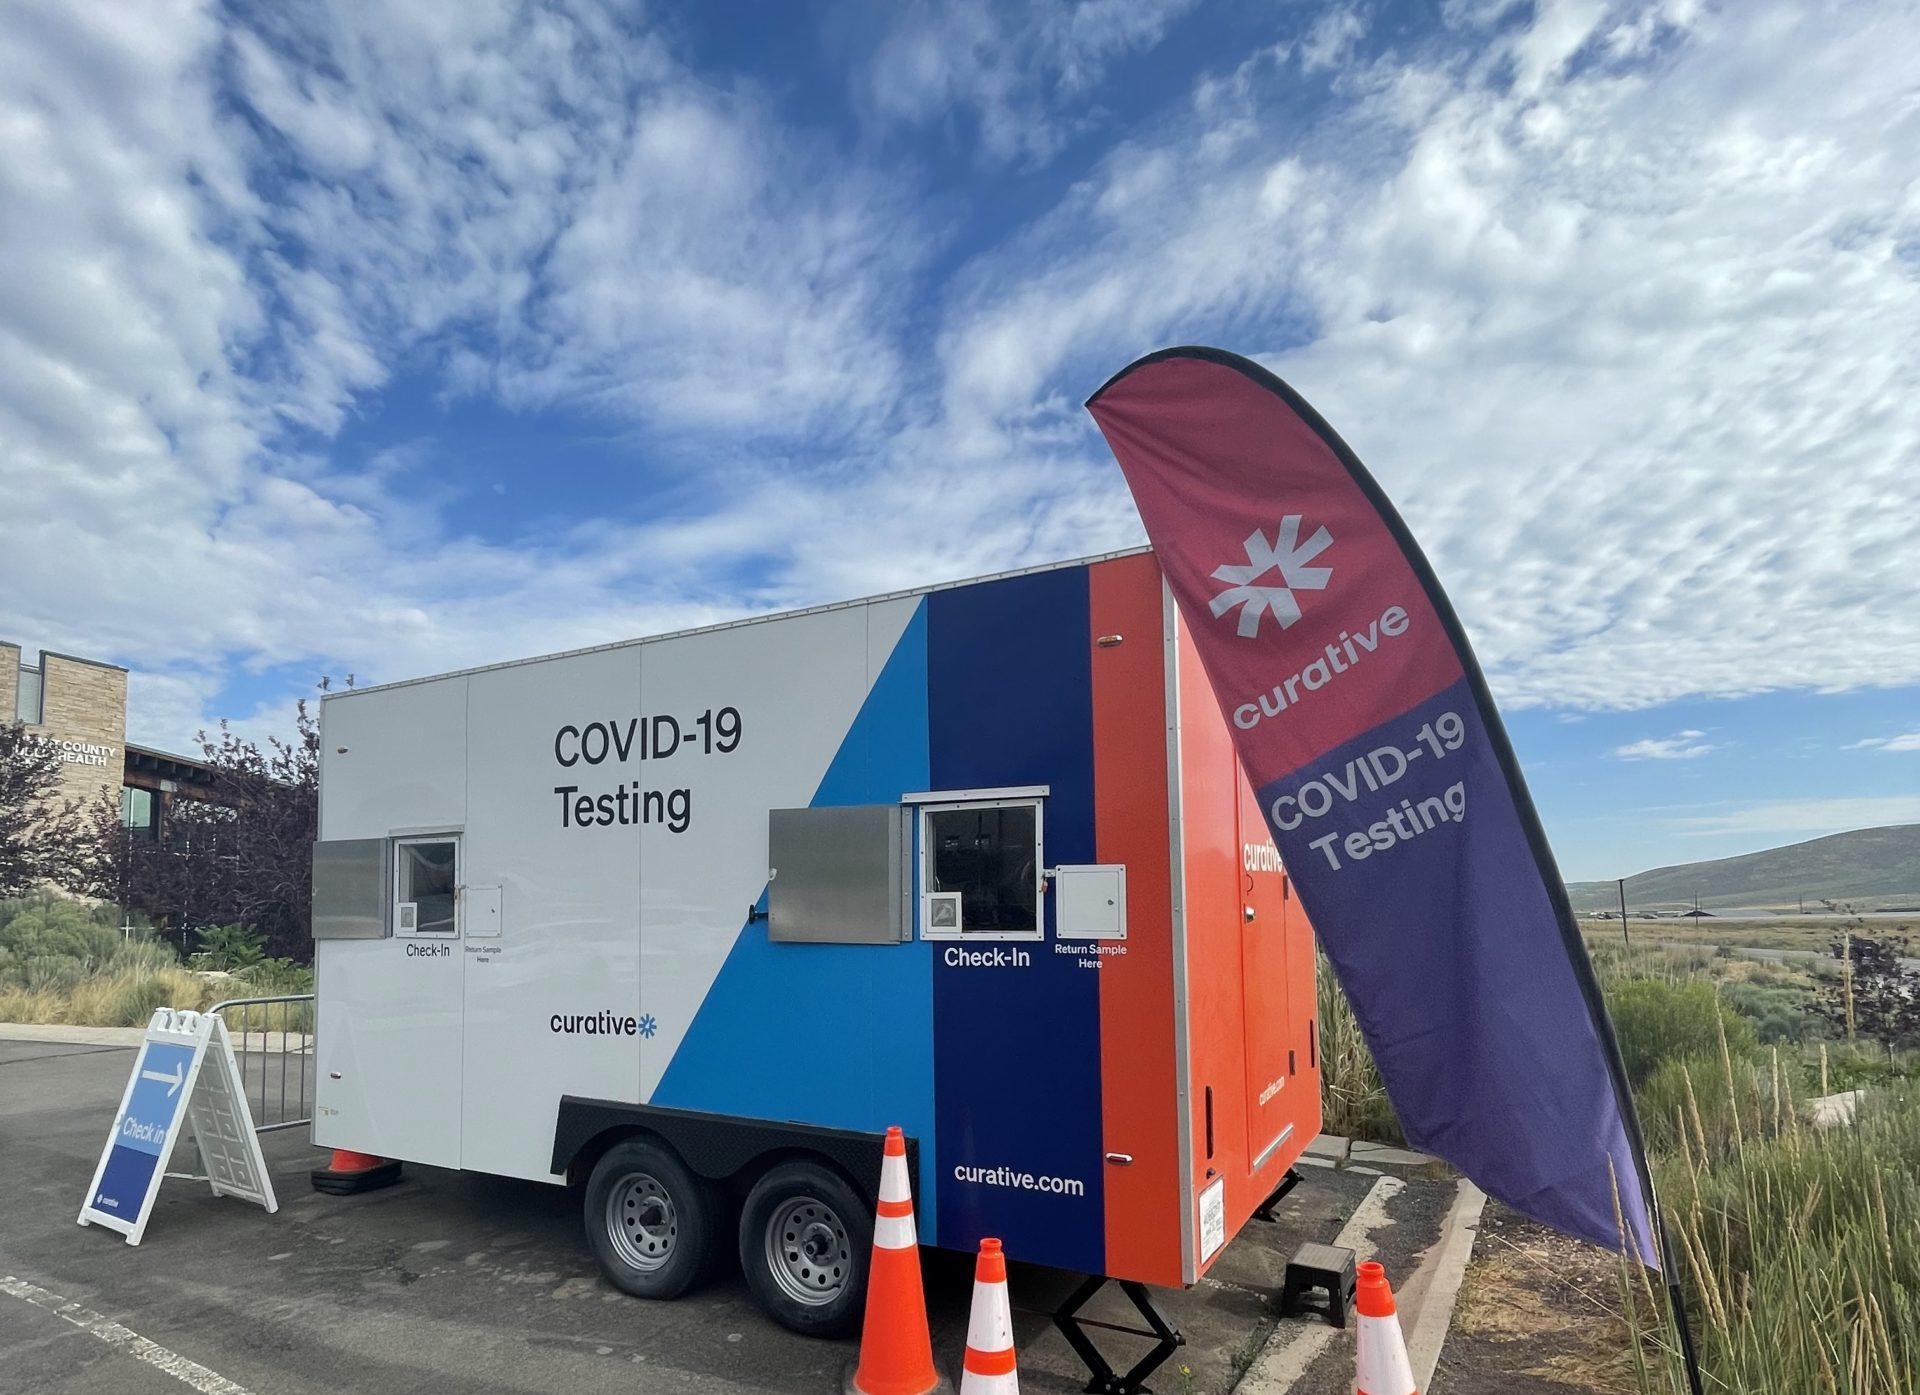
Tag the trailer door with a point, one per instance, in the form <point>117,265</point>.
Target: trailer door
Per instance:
<point>394,1016</point>
<point>1271,1063</point>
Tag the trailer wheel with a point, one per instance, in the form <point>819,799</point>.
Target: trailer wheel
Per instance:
<point>805,1240</point>
<point>649,1220</point>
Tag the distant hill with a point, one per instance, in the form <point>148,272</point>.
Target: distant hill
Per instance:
<point>1872,867</point>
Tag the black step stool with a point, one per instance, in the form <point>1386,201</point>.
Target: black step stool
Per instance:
<point>1325,1268</point>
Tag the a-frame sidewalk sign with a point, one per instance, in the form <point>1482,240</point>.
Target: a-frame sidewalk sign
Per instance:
<point>185,1073</point>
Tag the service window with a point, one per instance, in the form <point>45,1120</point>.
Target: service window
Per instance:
<point>426,876</point>
<point>980,871</point>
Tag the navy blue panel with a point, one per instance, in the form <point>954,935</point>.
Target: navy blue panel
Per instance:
<point>1016,1045</point>
<point>123,1186</point>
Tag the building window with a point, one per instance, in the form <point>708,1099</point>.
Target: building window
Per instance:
<point>28,706</point>
<point>137,811</point>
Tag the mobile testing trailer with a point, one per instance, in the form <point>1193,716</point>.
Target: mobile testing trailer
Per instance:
<point>709,911</point>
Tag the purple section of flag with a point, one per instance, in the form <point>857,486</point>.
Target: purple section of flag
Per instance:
<point>1419,880</point>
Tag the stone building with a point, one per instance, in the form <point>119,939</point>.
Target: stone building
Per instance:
<point>78,704</point>
<point>81,706</point>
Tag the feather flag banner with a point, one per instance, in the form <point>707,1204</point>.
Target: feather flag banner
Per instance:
<point>1392,793</point>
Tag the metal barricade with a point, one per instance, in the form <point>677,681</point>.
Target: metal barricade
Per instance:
<point>273,1042</point>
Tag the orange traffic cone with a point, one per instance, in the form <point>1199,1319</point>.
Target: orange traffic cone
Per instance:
<point>351,1172</point>
<point>896,1351</point>
<point>989,1367</point>
<point>1382,1367</point>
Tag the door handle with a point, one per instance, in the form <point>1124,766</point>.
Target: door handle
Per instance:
<point>1120,1159</point>
<point>1247,912</point>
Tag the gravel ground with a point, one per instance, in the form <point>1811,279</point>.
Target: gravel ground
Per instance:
<point>1537,1316</point>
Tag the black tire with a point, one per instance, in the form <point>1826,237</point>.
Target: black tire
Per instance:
<point>806,1237</point>
<point>650,1222</point>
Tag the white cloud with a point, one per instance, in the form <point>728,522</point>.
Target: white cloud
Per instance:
<point>219,239</point>
<point>1018,68</point>
<point>1331,37</point>
<point>1685,745</point>
<point>1809,817</point>
<point>1628,329</point>
<point>1560,29</point>
<point>1909,741</point>
<point>1621,303</point>
<point>549,186</point>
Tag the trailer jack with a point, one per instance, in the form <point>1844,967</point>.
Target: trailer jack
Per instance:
<point>1106,1381</point>
<point>1264,1211</point>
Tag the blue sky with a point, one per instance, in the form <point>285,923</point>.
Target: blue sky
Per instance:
<point>338,344</point>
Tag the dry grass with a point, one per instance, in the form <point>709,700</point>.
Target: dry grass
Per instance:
<point>123,999</point>
<point>1542,1305</point>
<point>1353,1100</point>
<point>1795,1243</point>
<point>1792,932</point>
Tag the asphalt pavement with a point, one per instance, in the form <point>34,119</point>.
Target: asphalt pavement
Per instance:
<point>466,1284</point>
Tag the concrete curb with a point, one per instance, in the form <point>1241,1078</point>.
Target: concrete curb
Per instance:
<point>1294,1346</point>
<point>72,1036</point>
<point>1343,1154</point>
<point>1426,1300</point>
<point>1434,1289</point>
<point>291,1043</point>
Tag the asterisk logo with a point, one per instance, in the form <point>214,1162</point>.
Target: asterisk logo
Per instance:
<point>648,1026</point>
<point>1288,556</point>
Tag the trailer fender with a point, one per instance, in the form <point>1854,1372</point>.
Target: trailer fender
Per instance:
<point>719,1147</point>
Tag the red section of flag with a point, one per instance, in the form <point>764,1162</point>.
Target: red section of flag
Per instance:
<point>1285,572</point>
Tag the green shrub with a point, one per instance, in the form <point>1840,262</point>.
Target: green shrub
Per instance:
<point>1861,1066</point>
<point>1658,1021</point>
<point>56,941</point>
<point>65,910</point>
<point>1703,1107</point>
<point>271,978</point>
<point>65,961</point>
<point>135,999</point>
<point>228,947</point>
<point>50,973</point>
<point>1779,1012</point>
<point>143,955</point>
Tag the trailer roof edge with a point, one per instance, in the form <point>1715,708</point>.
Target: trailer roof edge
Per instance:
<point>741,623</point>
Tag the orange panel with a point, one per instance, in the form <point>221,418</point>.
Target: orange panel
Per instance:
<point>1138,1081</point>
<point>1273,1046</point>
<point>1210,830</point>
<point>1236,1104</point>
<point>1301,958</point>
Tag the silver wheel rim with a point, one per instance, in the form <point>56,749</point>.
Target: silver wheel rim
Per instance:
<point>641,1221</point>
<point>808,1251</point>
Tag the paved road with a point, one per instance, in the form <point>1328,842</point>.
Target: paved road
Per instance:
<point>456,1283</point>
<point>1771,956</point>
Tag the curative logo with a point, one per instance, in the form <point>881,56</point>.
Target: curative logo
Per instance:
<point>1288,556</point>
